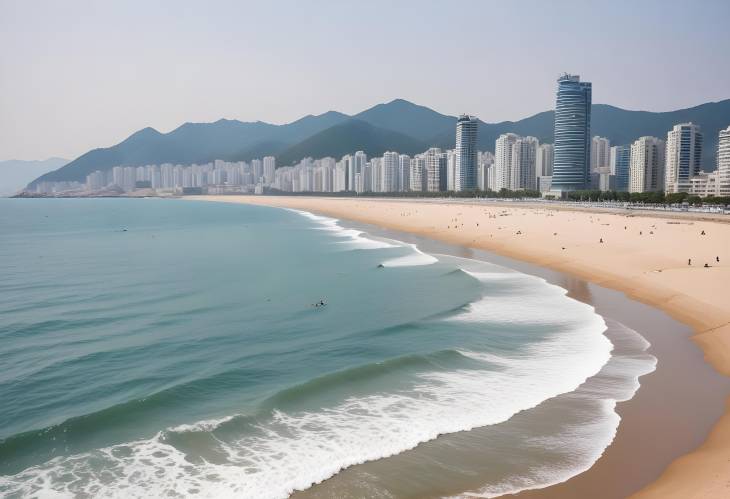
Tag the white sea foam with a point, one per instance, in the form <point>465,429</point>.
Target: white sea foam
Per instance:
<point>415,258</point>
<point>293,451</point>
<point>352,238</point>
<point>616,382</point>
<point>205,425</point>
<point>524,299</point>
<point>358,239</point>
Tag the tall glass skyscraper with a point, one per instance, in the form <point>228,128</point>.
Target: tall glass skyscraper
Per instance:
<point>571,168</point>
<point>466,153</point>
<point>684,156</point>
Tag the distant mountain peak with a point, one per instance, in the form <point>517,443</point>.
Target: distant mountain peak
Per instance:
<point>404,102</point>
<point>145,132</point>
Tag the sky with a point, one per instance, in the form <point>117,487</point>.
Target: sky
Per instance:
<point>77,75</point>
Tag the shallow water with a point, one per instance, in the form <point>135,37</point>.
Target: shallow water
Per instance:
<point>157,347</point>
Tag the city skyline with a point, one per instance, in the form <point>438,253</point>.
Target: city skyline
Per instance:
<point>576,161</point>
<point>69,61</point>
<point>518,164</point>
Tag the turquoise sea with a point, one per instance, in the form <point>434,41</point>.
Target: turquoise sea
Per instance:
<point>170,348</point>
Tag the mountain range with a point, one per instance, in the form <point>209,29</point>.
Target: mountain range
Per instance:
<point>398,125</point>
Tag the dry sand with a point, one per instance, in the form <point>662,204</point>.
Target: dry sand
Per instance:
<point>644,256</point>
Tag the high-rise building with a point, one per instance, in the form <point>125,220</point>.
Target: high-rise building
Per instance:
<point>572,134</point>
<point>257,168</point>
<point>130,178</point>
<point>269,169</point>
<point>95,181</point>
<point>646,173</point>
<point>435,170</point>
<point>600,153</point>
<point>390,171</point>
<point>544,160</point>
<point>349,163</point>
<point>451,170</point>
<point>376,175</point>
<point>522,167</point>
<point>418,173</point>
<point>503,160</point>
<point>404,172</point>
<point>466,152</point>
<point>723,162</point>
<point>340,180</point>
<point>619,166</point>
<point>155,177</point>
<point>360,160</point>
<point>490,178</point>
<point>486,164</point>
<point>544,167</point>
<point>683,156</point>
<point>166,174</point>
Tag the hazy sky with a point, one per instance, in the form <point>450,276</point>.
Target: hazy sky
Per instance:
<point>76,75</point>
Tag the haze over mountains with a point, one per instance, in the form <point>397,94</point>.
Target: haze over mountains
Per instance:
<point>16,173</point>
<point>398,125</point>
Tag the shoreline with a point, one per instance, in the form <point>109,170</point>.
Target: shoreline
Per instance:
<point>628,447</point>
<point>657,279</point>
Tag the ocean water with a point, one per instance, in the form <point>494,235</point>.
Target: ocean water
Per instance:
<point>167,348</point>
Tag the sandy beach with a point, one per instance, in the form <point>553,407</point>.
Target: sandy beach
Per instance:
<point>655,259</point>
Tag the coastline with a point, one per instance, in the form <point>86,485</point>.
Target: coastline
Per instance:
<point>633,260</point>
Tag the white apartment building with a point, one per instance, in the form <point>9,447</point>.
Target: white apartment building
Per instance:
<point>723,162</point>
<point>503,160</point>
<point>522,164</point>
<point>340,183</point>
<point>544,160</point>
<point>646,170</point>
<point>435,170</point>
<point>257,168</point>
<point>485,162</point>
<point>269,169</point>
<point>451,170</point>
<point>600,153</point>
<point>418,173</point>
<point>390,172</point>
<point>404,173</point>
<point>705,184</point>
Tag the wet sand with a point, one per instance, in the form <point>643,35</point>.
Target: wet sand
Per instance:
<point>641,256</point>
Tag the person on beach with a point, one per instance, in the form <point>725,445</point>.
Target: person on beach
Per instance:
<point>689,261</point>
